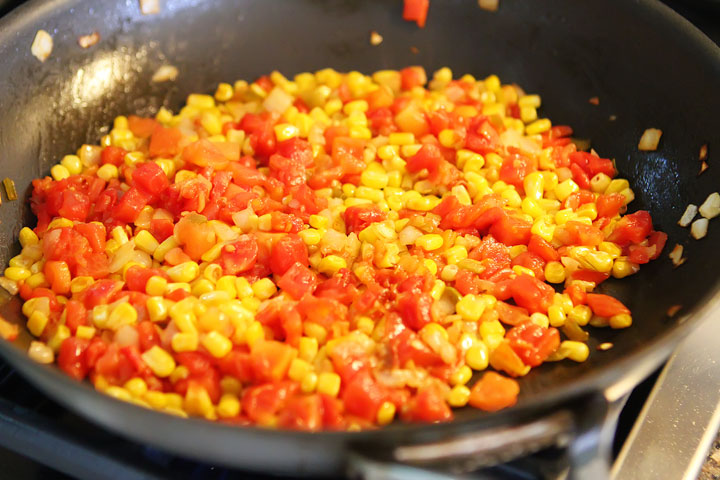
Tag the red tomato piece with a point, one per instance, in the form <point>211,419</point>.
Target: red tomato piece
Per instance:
<point>142,127</point>
<point>359,217</point>
<point>532,294</point>
<point>609,205</point>
<point>164,142</point>
<point>416,11</point>
<point>363,396</point>
<point>130,205</point>
<point>510,314</point>
<point>71,357</point>
<point>270,360</point>
<point>261,403</point>
<point>113,155</point>
<point>150,178</point>
<point>539,246</point>
<point>415,309</point>
<point>411,77</point>
<point>633,228</point>
<point>605,305</point>
<point>286,252</point>
<point>511,231</point>
<point>533,343</point>
<point>532,261</point>
<point>240,256</point>
<point>298,280</point>
<point>428,405</point>
<point>494,392</point>
<point>303,412</point>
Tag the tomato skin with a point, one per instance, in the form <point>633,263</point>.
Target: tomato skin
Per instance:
<point>494,392</point>
<point>298,280</point>
<point>605,305</point>
<point>482,137</point>
<point>287,251</point>
<point>539,246</point>
<point>270,360</point>
<point>532,261</point>
<point>531,293</point>
<point>511,314</point>
<point>147,335</point>
<point>75,315</point>
<point>511,231</point>
<point>240,256</point>
<point>532,343</point>
<point>71,357</point>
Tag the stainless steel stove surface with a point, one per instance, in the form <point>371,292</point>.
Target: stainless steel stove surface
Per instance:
<point>40,439</point>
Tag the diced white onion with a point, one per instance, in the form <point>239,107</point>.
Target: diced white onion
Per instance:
<point>40,352</point>
<point>409,234</point>
<point>688,216</point>
<point>122,256</point>
<point>489,5</point>
<point>278,100</point>
<point>126,336</point>
<point>676,255</point>
<point>166,73</point>
<point>87,41</point>
<point>711,206</point>
<point>149,7</point>
<point>699,228</point>
<point>42,45</point>
<point>650,139</point>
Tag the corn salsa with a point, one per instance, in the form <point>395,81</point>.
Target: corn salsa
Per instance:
<point>331,251</point>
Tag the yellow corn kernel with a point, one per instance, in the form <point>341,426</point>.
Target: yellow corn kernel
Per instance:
<point>229,406</point>
<point>531,207</point>
<point>184,342</point>
<point>309,382</point>
<point>374,179</point>
<point>61,334</point>
<point>401,138</point>
<point>17,273</point>
<point>159,361</point>
<point>315,331</point>
<point>100,315</point>
<point>528,114</point>
<point>157,309</point>
<point>118,393</point>
<point>60,223</point>
<point>264,288</point>
<point>454,254</point>
<point>534,185</point>
<point>623,268</point>
<point>580,314</point>
<point>617,185</point>
<point>470,307</point>
<point>145,241</point>
<point>529,101</point>
<point>28,237</point>
<point>156,285</point>
<point>310,236</point>
<point>458,396</point>
<point>611,249</point>
<point>587,210</point>
<point>328,383</point>
<point>36,280</point>
<point>461,376</point>
<point>556,316</point>
<point>520,270</point>
<point>429,241</point>
<point>469,161</point>
<point>200,101</point>
<point>622,320</point>
<point>84,331</point>
<point>184,272</point>
<point>543,229</point>
<point>254,333</point>
<point>449,138</point>
<point>331,264</point>
<point>565,189</point>
<point>243,288</point>
<point>540,319</point>
<point>573,350</point>
<point>298,369</point>
<point>286,131</point>
<point>224,92</point>
<point>197,402</point>
<point>167,245</point>
<point>202,286</point>
<point>386,413</point>
<point>565,215</point>
<point>155,399</point>
<point>596,260</point>
<point>307,348</point>
<point>628,194</point>
<point>230,385</point>
<point>136,386</point>
<point>600,182</point>
<point>119,235</point>
<point>251,303</point>
<point>72,164</point>
<point>365,325</point>
<point>123,314</point>
<point>512,197</point>
<point>59,172</point>
<point>477,356</point>
<point>37,323</point>
<point>107,172</point>
<point>538,126</point>
<point>217,344</point>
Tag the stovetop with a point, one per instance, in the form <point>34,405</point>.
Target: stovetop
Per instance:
<point>43,430</point>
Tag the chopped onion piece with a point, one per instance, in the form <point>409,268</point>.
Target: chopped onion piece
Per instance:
<point>605,346</point>
<point>711,206</point>
<point>650,139</point>
<point>375,38</point>
<point>703,152</point>
<point>489,5</point>
<point>703,167</point>
<point>40,352</point>
<point>42,45</point>
<point>8,331</point>
<point>166,73</point>
<point>278,101</point>
<point>699,228</point>
<point>149,7</point>
<point>87,41</point>
<point>676,255</point>
<point>688,216</point>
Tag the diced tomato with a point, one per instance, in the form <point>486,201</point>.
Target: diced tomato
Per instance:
<point>577,294</point>
<point>415,309</point>
<point>270,360</point>
<point>240,256</point>
<point>533,343</point>
<point>533,262</point>
<point>71,357</point>
<point>428,405</point>
<point>494,392</point>
<point>164,142</point>
<point>363,396</point>
<point>130,205</point>
<point>539,246</point>
<point>75,315</point>
<point>605,305</point>
<point>583,234</point>
<point>359,217</point>
<point>303,412</point>
<point>515,168</point>
<point>113,155</point>
<point>531,293</point>
<point>416,11</point>
<point>609,205</point>
<point>100,292</point>
<point>298,280</point>
<point>261,403</point>
<point>290,249</point>
<point>511,231</point>
<point>147,335</point>
<point>142,127</point>
<point>632,228</point>
<point>411,77</point>
<point>150,178</point>
<point>510,314</point>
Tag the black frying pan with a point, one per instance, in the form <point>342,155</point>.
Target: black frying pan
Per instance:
<point>649,68</point>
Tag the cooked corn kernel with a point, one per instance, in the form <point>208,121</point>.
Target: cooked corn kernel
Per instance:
<point>160,362</point>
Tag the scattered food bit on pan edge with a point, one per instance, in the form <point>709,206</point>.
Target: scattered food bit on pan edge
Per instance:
<point>166,73</point>
<point>703,152</point>
<point>489,5</point>
<point>87,41</point>
<point>688,216</point>
<point>10,189</point>
<point>676,255</point>
<point>650,140</point>
<point>329,252</point>
<point>42,45</point>
<point>703,167</point>
<point>414,50</point>
<point>375,38</point>
<point>149,7</point>
<point>605,346</point>
<point>699,228</point>
<point>709,209</point>
<point>672,311</point>
<point>594,101</point>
